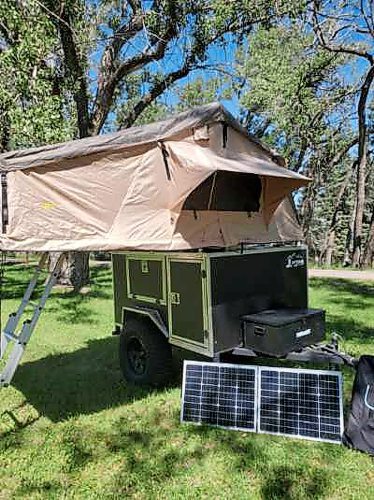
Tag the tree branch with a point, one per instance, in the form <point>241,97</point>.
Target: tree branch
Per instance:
<point>74,66</point>
<point>340,154</point>
<point>157,89</point>
<point>113,74</point>
<point>340,49</point>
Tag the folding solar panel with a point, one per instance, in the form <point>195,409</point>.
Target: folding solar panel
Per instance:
<point>300,403</point>
<point>285,401</point>
<point>219,394</point>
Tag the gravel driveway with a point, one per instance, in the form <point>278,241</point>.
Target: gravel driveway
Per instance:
<point>366,275</point>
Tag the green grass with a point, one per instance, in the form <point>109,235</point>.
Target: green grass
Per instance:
<point>71,428</point>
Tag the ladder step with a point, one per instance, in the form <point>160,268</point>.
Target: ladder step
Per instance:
<point>35,305</point>
<point>10,336</point>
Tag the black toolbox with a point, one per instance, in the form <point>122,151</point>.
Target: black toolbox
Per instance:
<point>277,332</point>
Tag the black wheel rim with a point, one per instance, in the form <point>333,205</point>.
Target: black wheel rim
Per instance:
<point>137,356</point>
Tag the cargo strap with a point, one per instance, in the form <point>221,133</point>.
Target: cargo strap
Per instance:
<point>165,156</point>
<point>224,134</point>
<point>4,203</point>
<point>19,340</point>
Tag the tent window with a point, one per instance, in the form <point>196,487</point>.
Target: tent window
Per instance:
<point>226,191</point>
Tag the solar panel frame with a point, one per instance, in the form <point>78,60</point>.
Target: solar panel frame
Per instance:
<point>302,371</point>
<point>218,366</point>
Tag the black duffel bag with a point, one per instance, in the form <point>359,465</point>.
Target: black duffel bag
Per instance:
<point>359,432</point>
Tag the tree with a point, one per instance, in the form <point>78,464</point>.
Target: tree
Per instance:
<point>348,28</point>
<point>291,90</point>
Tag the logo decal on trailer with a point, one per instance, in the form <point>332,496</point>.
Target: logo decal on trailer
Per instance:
<point>295,260</point>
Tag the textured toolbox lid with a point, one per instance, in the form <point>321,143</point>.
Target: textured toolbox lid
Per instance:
<point>281,317</point>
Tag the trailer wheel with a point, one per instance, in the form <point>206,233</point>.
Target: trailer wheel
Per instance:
<point>144,354</point>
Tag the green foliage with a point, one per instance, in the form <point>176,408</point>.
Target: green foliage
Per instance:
<point>202,91</point>
<point>284,73</point>
<point>50,53</point>
<point>197,92</point>
<point>34,109</point>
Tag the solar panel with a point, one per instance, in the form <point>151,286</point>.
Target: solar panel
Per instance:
<point>300,403</point>
<point>285,401</point>
<point>219,394</point>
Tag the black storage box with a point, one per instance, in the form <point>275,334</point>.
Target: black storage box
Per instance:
<point>277,332</point>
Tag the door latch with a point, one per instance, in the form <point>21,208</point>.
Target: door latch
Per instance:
<point>144,266</point>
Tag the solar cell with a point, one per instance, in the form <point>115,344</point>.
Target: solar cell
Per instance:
<point>221,394</point>
<point>300,403</point>
<point>286,401</point>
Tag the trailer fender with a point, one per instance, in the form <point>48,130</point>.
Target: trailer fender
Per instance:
<point>152,314</point>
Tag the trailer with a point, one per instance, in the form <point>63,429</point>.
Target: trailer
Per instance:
<point>208,304</point>
<point>207,252</point>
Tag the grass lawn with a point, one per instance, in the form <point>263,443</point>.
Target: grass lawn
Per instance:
<point>71,428</point>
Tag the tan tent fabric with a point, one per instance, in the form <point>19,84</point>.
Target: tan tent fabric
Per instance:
<point>135,140</point>
<point>127,190</point>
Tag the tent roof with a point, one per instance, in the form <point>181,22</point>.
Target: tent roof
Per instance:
<point>128,138</point>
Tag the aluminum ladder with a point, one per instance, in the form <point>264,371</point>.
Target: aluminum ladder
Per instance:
<point>19,341</point>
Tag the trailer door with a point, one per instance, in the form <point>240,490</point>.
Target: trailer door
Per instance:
<point>188,304</point>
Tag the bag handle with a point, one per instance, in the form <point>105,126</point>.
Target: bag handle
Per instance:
<point>366,398</point>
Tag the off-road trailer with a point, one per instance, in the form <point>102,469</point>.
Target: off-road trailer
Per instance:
<point>215,305</point>
<point>153,196</point>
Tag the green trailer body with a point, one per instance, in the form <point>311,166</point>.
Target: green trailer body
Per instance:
<point>199,300</point>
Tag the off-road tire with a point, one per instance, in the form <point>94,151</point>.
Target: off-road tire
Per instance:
<point>158,367</point>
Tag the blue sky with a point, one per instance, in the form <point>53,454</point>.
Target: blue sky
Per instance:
<point>218,55</point>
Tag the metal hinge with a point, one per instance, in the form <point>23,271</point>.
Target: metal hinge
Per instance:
<point>175,298</point>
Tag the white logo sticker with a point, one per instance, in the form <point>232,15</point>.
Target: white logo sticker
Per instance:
<point>295,260</point>
<point>303,333</point>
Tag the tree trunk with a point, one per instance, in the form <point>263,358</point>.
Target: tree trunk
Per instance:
<point>5,130</point>
<point>78,269</point>
<point>360,205</point>
<point>75,269</point>
<point>348,242</point>
<point>330,247</point>
<point>361,166</point>
<point>367,260</point>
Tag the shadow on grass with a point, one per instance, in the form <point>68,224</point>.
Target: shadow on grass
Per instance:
<point>282,482</point>
<point>245,454</point>
<point>356,288</point>
<point>67,305</point>
<point>81,382</point>
<point>72,308</point>
<point>349,329</point>
<point>349,294</point>
<point>16,280</point>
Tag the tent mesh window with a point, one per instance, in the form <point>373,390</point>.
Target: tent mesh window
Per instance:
<point>226,191</point>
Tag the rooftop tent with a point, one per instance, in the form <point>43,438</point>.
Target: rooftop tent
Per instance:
<point>194,180</point>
